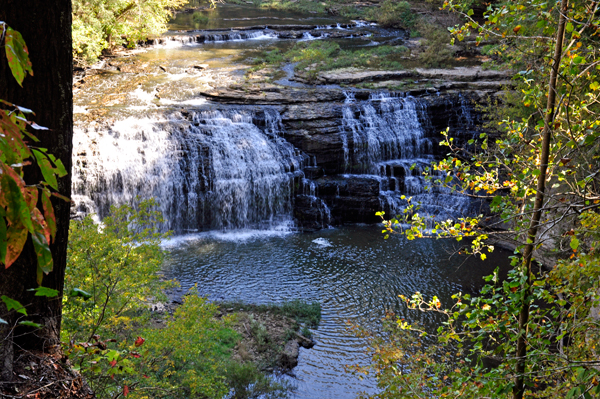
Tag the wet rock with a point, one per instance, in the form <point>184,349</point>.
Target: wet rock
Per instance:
<point>311,213</point>
<point>351,198</point>
<point>313,172</point>
<point>304,341</point>
<point>201,66</point>
<point>289,356</point>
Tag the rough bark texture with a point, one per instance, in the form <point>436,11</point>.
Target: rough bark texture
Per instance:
<point>46,28</point>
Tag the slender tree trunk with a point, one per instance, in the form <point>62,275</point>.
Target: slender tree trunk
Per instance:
<point>46,29</point>
<point>519,388</point>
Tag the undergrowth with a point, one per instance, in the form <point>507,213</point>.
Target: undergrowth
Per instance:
<point>120,346</point>
<point>321,55</point>
<point>303,312</point>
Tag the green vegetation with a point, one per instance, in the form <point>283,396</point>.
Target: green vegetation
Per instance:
<point>115,266</point>
<point>393,14</point>
<point>321,55</point>
<point>122,348</point>
<point>105,24</point>
<point>303,312</point>
<point>535,333</point>
<point>436,53</point>
<point>389,13</point>
<point>200,19</point>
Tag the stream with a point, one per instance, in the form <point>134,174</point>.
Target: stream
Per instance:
<point>260,196</point>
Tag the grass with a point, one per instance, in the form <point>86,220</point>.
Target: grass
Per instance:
<point>302,312</point>
<point>200,19</point>
<point>323,55</point>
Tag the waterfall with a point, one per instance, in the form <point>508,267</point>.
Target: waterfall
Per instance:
<point>206,169</point>
<point>239,36</point>
<point>385,128</point>
<point>387,138</point>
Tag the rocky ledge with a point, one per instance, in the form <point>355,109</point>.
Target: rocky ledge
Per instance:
<point>419,79</point>
<point>415,82</point>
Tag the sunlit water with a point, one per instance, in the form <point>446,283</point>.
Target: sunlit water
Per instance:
<point>352,271</point>
<point>147,131</point>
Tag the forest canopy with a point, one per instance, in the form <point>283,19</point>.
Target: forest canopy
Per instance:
<point>104,24</point>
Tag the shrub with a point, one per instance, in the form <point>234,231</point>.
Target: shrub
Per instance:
<point>112,271</point>
<point>396,14</point>
<point>437,53</point>
<point>199,19</point>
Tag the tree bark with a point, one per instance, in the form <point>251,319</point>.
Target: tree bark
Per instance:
<point>519,388</point>
<point>46,29</point>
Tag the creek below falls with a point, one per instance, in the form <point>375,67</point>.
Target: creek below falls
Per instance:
<point>272,194</point>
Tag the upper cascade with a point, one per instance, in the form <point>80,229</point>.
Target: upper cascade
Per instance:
<point>384,127</point>
<point>390,139</point>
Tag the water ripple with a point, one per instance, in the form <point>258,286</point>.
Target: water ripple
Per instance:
<point>355,275</point>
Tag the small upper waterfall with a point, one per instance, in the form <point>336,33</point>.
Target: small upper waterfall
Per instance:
<point>206,169</point>
<point>382,128</point>
<point>391,139</point>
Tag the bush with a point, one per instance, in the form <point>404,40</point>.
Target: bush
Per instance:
<point>437,53</point>
<point>200,19</point>
<point>112,275</point>
<point>190,355</point>
<point>112,271</point>
<point>394,14</point>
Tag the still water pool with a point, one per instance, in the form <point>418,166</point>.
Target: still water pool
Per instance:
<point>352,271</point>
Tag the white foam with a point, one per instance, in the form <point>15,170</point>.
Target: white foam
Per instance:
<point>323,242</point>
<point>240,236</point>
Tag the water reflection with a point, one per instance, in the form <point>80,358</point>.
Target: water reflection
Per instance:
<point>352,271</point>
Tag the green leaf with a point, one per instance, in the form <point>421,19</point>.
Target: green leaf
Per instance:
<point>569,27</point>
<point>578,59</point>
<point>42,250</point>
<point>78,292</point>
<point>594,85</point>
<point>12,304</point>
<point>30,324</point>
<point>44,291</point>
<point>46,168</point>
<point>574,243</point>
<point>17,55</point>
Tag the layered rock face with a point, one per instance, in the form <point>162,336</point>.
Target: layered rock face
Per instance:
<point>367,153</point>
<point>323,157</point>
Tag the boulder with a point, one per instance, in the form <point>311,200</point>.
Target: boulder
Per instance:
<point>289,356</point>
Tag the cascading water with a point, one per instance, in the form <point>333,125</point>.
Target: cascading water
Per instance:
<point>385,128</point>
<point>209,169</point>
<point>387,137</point>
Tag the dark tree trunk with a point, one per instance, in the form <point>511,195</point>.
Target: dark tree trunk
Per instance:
<point>46,28</point>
